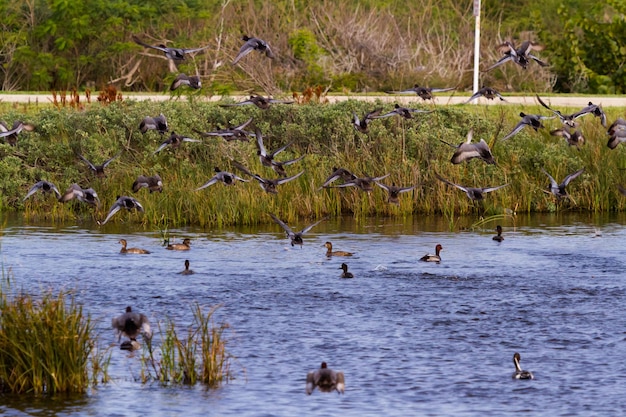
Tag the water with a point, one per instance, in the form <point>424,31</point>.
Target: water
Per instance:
<point>412,338</point>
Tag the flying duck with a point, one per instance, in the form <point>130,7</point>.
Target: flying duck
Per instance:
<point>595,109</point>
<point>84,195</point>
<point>521,56</point>
<point>326,380</point>
<point>364,183</point>
<point>98,170</point>
<point>468,150</point>
<point>174,141</point>
<point>362,125</point>
<point>11,134</point>
<point>394,191</point>
<point>158,123</point>
<point>338,173</point>
<point>131,325</point>
<point>225,177</point>
<point>425,93</point>
<point>617,133</point>
<point>122,202</point>
<point>152,183</point>
<point>558,190</point>
<point>176,54</point>
<point>402,112</point>
<point>192,81</point>
<point>532,120</point>
<point>269,185</point>
<point>253,44</point>
<point>487,92</point>
<point>261,102</point>
<point>471,192</point>
<point>573,139</point>
<point>295,237</point>
<point>43,186</point>
<point>230,133</point>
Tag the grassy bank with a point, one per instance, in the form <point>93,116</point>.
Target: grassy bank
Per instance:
<point>47,345</point>
<point>409,150</point>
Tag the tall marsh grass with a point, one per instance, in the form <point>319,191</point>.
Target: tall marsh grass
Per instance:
<point>47,345</point>
<point>411,151</point>
<point>197,354</point>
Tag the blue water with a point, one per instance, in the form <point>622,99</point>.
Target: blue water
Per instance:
<point>412,338</point>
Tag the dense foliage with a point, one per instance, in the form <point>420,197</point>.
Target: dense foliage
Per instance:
<point>343,45</point>
<point>410,151</point>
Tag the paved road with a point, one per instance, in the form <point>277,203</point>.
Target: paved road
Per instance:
<point>556,101</point>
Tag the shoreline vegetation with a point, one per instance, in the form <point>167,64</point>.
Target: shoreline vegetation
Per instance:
<point>50,346</point>
<point>409,150</point>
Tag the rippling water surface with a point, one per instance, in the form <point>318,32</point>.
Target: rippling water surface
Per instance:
<point>412,338</point>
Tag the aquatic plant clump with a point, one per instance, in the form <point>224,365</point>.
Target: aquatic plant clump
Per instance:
<point>47,346</point>
<point>201,356</point>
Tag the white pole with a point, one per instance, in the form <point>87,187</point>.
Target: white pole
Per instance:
<point>476,46</point>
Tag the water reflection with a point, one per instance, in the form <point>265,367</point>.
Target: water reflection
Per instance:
<point>411,337</point>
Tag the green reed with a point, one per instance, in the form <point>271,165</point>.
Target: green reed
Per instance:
<point>197,355</point>
<point>47,345</point>
<point>411,151</point>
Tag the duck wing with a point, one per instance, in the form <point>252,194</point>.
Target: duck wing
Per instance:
<point>282,224</point>
<point>490,189</point>
<point>284,180</point>
<point>571,176</point>
<point>311,226</point>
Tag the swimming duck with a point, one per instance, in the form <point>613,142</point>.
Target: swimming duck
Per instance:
<point>498,237</point>
<point>152,183</point>
<point>295,237</point>
<point>471,192</point>
<point>433,258</point>
<point>267,159</point>
<point>487,92</point>
<point>158,123</point>
<point>192,81</point>
<point>261,102</point>
<point>186,271</point>
<point>329,251</point>
<point>401,111</point>
<point>174,141</point>
<point>425,93</point>
<point>84,195</point>
<point>532,120</point>
<point>186,245</point>
<point>345,273</point>
<point>326,380</point>
<point>394,191</point>
<point>98,169</point>
<point>230,133</point>
<point>131,325</point>
<point>519,373</point>
<point>617,133</point>
<point>131,250</point>
<point>573,139</point>
<point>468,150</point>
<point>253,44</point>
<point>11,134</point>
<point>595,109</point>
<point>338,173</point>
<point>566,119</point>
<point>225,177</point>
<point>176,54</point>
<point>362,125</point>
<point>364,183</point>
<point>122,202</point>
<point>558,190</point>
<point>268,185</point>
<point>521,56</point>
<point>45,187</point>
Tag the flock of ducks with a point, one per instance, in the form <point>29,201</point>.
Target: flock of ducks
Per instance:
<point>131,324</point>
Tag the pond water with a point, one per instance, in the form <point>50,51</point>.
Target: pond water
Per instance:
<point>412,338</point>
